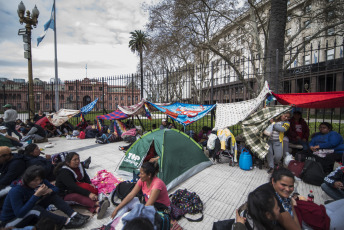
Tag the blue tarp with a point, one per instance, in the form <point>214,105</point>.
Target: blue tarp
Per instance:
<point>87,108</point>
<point>184,114</point>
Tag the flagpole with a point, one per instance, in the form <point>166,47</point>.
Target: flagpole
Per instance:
<point>56,74</point>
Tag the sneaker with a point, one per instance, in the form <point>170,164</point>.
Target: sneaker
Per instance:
<point>87,163</point>
<point>270,170</point>
<point>103,206</point>
<point>75,223</point>
<point>81,216</point>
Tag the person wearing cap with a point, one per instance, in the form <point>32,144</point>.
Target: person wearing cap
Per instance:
<point>164,124</point>
<point>12,166</point>
<point>14,141</point>
<point>10,117</point>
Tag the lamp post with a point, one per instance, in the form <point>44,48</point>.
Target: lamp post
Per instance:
<point>307,90</point>
<point>30,20</point>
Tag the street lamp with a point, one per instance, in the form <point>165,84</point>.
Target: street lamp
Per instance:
<point>30,20</point>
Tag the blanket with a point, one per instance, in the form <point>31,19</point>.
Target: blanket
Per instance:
<point>255,124</point>
<point>230,114</point>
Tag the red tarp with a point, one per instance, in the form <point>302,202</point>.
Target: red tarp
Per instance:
<point>319,100</point>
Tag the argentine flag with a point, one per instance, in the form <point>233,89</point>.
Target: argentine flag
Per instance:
<point>47,25</point>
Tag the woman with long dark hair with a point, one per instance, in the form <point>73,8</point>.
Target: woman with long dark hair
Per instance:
<point>76,187</point>
<point>262,211</point>
<point>32,157</point>
<point>153,188</point>
<point>28,200</point>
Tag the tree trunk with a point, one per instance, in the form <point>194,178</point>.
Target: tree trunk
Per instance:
<point>141,68</point>
<point>275,44</point>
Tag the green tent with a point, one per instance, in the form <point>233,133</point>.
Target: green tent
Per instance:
<point>180,156</point>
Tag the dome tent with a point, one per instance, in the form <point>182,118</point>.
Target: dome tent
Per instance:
<point>180,156</point>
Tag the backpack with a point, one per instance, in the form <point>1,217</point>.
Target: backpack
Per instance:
<point>183,202</point>
<point>313,173</point>
<point>122,190</point>
<point>82,135</point>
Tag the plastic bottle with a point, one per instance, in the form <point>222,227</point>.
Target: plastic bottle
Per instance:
<point>310,196</point>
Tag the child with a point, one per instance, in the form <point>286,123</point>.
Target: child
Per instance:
<point>276,140</point>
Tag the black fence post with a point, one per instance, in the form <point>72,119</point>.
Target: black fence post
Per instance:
<point>76,94</point>
<point>103,94</point>
<point>211,94</point>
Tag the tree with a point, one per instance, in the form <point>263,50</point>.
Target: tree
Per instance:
<point>220,29</point>
<point>139,43</point>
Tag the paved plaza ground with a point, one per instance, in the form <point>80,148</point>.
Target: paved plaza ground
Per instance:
<point>222,188</point>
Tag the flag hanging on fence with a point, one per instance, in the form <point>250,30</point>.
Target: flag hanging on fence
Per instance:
<point>47,25</point>
<point>148,115</point>
<point>82,117</point>
<point>99,127</point>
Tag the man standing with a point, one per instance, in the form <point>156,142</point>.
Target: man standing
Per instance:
<point>10,117</point>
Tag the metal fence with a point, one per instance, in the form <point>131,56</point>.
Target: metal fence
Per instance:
<point>315,68</point>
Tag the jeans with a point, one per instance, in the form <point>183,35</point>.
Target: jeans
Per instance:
<point>11,127</point>
<point>334,193</point>
<point>39,211</point>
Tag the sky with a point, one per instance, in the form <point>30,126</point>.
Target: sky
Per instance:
<point>95,33</point>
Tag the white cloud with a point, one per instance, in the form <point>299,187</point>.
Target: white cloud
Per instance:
<point>92,32</point>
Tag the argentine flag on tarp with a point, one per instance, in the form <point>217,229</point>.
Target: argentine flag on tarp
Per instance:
<point>47,25</point>
<point>87,108</point>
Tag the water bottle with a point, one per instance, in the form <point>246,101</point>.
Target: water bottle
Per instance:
<point>310,196</point>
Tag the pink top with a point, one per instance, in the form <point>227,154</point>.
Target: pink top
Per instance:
<point>157,183</point>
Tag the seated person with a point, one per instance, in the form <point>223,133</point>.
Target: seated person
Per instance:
<point>75,185</point>
<point>334,184</point>
<point>38,116</point>
<point>18,123</point>
<point>51,130</point>
<point>29,198</point>
<point>165,124</point>
<point>282,186</point>
<point>327,146</point>
<point>36,133</point>
<point>298,132</point>
<point>153,189</point>
<point>202,137</point>
<point>262,211</point>
<point>32,157</point>
<point>2,121</point>
<point>12,166</point>
<point>14,141</point>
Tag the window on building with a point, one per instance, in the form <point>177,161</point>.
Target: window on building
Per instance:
<point>288,18</point>
<point>330,14</point>
<point>307,24</point>
<point>110,98</point>
<point>19,96</point>
<point>47,97</point>
<point>115,98</point>
<point>47,106</point>
<point>307,59</point>
<point>100,88</point>
<point>129,98</point>
<point>38,97</point>
<point>330,54</point>
<point>288,32</point>
<point>122,98</point>
<point>110,106</point>
<point>326,83</point>
<point>136,98</point>
<point>19,106</point>
<point>306,39</point>
<point>330,31</point>
<point>71,88</point>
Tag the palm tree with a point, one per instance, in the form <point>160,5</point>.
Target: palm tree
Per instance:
<point>138,43</point>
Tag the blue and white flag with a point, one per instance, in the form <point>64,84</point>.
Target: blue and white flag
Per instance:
<point>47,25</point>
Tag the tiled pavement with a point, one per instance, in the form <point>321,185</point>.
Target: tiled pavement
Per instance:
<point>222,188</point>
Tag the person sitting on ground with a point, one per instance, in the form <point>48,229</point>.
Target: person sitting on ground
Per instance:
<point>202,137</point>
<point>36,133</point>
<point>262,211</point>
<point>334,184</point>
<point>326,146</point>
<point>12,166</point>
<point>165,124</point>
<point>51,130</point>
<point>38,116</point>
<point>32,157</point>
<point>275,142</point>
<point>18,123</point>
<point>14,141</point>
<point>282,185</point>
<point>153,188</point>
<point>29,198</point>
<point>298,132</point>
<point>75,185</point>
